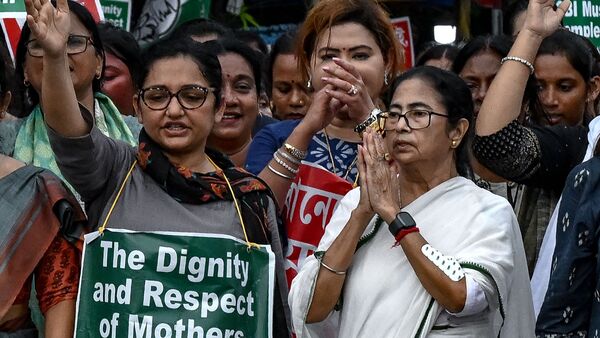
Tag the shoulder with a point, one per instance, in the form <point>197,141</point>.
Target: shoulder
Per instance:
<point>483,201</point>
<point>280,128</point>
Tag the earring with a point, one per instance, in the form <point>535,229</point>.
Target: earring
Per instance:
<point>26,83</point>
<point>98,76</point>
<point>454,143</point>
<point>386,76</point>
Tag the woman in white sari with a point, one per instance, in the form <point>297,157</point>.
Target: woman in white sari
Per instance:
<point>453,264</point>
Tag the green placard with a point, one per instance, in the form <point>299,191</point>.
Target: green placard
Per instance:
<point>159,284</point>
<point>117,12</point>
<point>12,9</point>
<point>583,18</point>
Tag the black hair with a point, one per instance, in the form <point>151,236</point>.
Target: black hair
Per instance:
<point>510,14</point>
<point>28,94</point>
<point>250,37</point>
<point>572,46</point>
<point>499,44</point>
<point>123,45</point>
<point>207,62</point>
<point>455,96</point>
<point>224,46</point>
<point>201,27</point>
<point>285,44</point>
<point>437,52</point>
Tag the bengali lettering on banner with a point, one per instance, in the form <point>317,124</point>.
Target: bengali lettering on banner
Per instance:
<point>404,34</point>
<point>167,284</point>
<point>309,205</point>
<point>583,18</point>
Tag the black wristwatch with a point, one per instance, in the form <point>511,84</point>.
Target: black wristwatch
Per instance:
<point>403,221</point>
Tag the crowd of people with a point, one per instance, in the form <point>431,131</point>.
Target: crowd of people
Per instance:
<point>458,198</point>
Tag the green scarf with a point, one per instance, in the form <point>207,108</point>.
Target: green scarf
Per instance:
<point>33,147</point>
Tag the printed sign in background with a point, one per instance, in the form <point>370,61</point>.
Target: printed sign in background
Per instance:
<point>142,285</point>
<point>12,18</point>
<point>12,9</point>
<point>583,18</point>
<point>309,205</point>
<point>159,18</point>
<point>404,34</point>
<point>117,12</point>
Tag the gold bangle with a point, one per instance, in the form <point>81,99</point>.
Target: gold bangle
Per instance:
<point>297,153</point>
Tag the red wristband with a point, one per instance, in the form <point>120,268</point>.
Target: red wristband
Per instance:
<point>400,235</point>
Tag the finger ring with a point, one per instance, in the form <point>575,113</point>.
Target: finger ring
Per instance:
<point>353,90</point>
<point>387,156</point>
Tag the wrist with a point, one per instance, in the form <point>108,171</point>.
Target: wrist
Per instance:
<point>372,120</point>
<point>389,214</point>
<point>365,115</point>
<point>531,35</point>
<point>363,216</point>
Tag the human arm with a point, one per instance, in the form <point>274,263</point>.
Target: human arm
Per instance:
<point>536,156</point>
<point>50,26</point>
<point>56,283</point>
<point>338,256</point>
<point>502,103</point>
<point>318,116</point>
<point>447,288</point>
<point>60,320</point>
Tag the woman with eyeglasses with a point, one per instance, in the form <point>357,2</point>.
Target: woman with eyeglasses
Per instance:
<point>172,181</point>
<point>37,250</point>
<point>418,250</point>
<point>85,63</point>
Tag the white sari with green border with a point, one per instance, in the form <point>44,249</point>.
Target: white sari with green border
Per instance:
<point>382,295</point>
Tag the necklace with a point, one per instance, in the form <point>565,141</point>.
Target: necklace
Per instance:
<point>331,158</point>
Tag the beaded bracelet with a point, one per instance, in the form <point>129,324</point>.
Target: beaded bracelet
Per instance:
<point>278,173</point>
<point>518,59</point>
<point>283,164</point>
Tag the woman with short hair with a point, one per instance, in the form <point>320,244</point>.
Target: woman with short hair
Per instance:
<point>441,272</point>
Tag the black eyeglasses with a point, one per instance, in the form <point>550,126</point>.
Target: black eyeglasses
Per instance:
<point>76,44</point>
<point>415,119</point>
<point>189,97</point>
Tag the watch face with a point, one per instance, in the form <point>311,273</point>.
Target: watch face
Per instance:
<point>402,221</point>
<point>406,220</point>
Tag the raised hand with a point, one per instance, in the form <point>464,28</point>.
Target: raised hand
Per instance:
<point>321,111</point>
<point>381,177</point>
<point>364,205</point>
<point>349,89</point>
<point>541,17</point>
<point>49,25</point>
